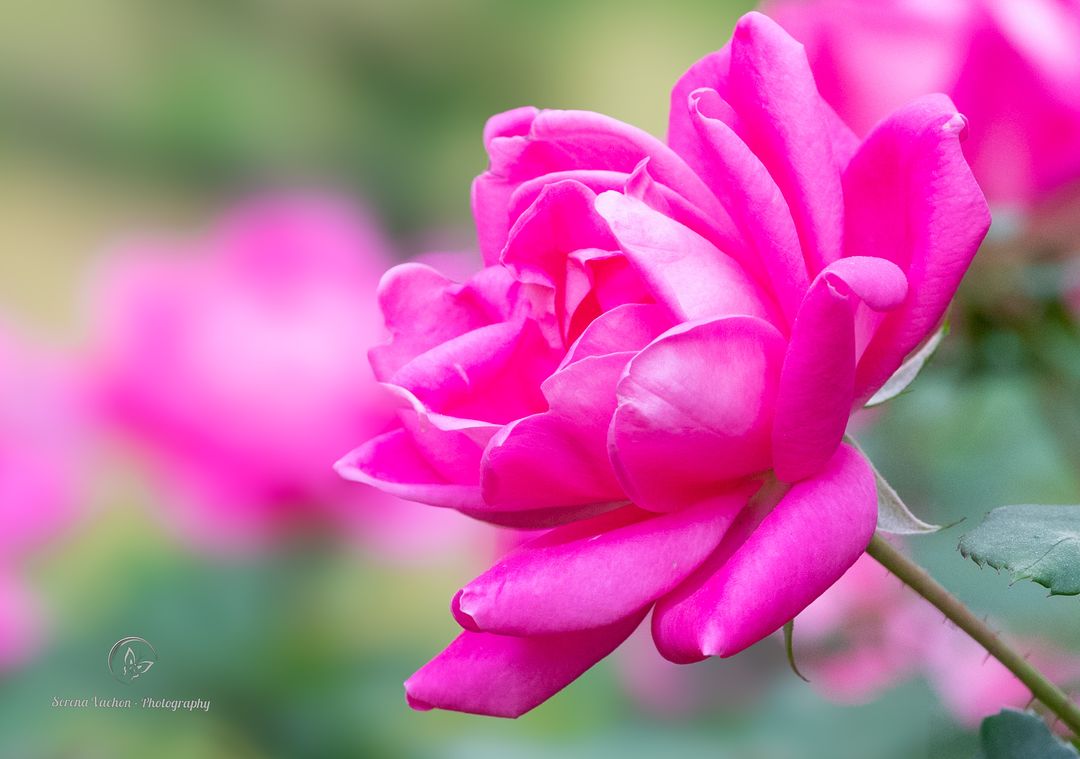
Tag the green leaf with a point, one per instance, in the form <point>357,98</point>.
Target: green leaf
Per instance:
<point>893,514</point>
<point>909,370</point>
<point>789,635</point>
<point>1039,543</point>
<point>1021,735</point>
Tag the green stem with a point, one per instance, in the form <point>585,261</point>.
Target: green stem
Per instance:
<point>917,578</point>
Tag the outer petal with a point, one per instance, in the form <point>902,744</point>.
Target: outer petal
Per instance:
<point>684,270</point>
<point>912,199</point>
<point>560,141</point>
<point>491,192</point>
<point>423,309</point>
<point>744,593</point>
<point>559,457</point>
<point>506,676</point>
<point>695,411</point>
<point>871,58</point>
<point>492,373</point>
<point>713,72</point>
<point>710,72</point>
<point>789,127</point>
<point>594,573</point>
<point>441,467</point>
<point>818,379</point>
<point>395,464</point>
<point>751,196</point>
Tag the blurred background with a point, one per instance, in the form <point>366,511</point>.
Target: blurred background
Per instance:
<point>133,136</point>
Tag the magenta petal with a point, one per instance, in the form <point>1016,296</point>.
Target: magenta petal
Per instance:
<point>717,226</point>
<point>595,573</point>
<point>911,198</point>
<point>559,457</point>
<point>394,463</point>
<point>804,545</point>
<point>423,309</point>
<point>596,180</point>
<point>711,73</point>
<point>789,127</point>
<point>441,467</point>
<point>491,193</point>
<point>561,220</point>
<point>492,373</point>
<point>817,382</point>
<point>751,196</point>
<point>506,676</point>
<point>684,270</point>
<point>561,141</point>
<point>695,411</point>
<point>629,327</point>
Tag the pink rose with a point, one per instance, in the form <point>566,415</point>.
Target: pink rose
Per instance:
<point>661,328</point>
<point>237,363</point>
<point>20,621</point>
<point>1011,67</point>
<point>43,430</point>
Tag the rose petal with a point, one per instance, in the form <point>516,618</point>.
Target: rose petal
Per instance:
<point>559,457</point>
<point>695,411</point>
<point>684,270</point>
<point>423,309</point>
<point>911,199</point>
<point>492,373</point>
<point>506,676</point>
<point>816,385</point>
<point>597,572</point>
<point>559,141</point>
<point>561,221</point>
<point>749,590</point>
<point>787,125</point>
<point>752,197</point>
<point>395,464</point>
<point>629,327</point>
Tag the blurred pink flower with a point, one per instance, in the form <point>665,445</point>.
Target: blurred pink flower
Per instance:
<point>1011,68</point>
<point>238,363</point>
<point>658,327</point>
<point>20,622</point>
<point>869,633</point>
<point>43,431</point>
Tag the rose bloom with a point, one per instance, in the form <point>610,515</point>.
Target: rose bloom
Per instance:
<point>237,364</point>
<point>1011,67</point>
<point>43,425</point>
<point>659,361</point>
